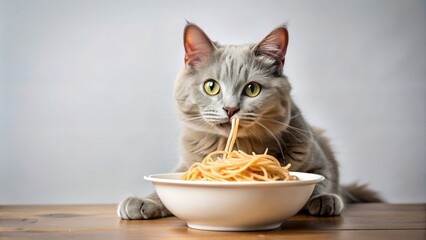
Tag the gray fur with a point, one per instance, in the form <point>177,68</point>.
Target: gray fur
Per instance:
<point>270,120</point>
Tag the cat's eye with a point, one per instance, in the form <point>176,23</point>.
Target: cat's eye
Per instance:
<point>211,87</point>
<point>252,89</point>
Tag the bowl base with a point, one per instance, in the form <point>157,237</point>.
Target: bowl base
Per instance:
<point>234,228</point>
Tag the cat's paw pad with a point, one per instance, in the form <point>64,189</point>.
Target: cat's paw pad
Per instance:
<point>325,205</point>
<point>139,208</point>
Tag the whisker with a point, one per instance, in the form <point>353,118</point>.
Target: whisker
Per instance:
<point>274,121</point>
<point>308,136</point>
<point>252,130</point>
<point>295,116</point>
<point>276,139</point>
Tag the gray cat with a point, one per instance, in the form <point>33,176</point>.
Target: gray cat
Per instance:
<point>220,82</point>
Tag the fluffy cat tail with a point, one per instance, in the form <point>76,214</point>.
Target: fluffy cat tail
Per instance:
<point>355,193</point>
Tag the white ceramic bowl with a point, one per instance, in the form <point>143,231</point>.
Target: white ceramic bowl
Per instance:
<point>234,206</point>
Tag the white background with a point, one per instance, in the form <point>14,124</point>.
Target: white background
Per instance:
<point>86,104</point>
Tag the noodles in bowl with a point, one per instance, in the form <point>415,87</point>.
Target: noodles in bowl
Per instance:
<point>236,165</point>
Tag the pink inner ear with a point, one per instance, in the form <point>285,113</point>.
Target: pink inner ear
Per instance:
<point>275,44</point>
<point>197,44</point>
<point>282,38</point>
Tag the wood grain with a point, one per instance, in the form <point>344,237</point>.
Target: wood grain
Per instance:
<point>359,221</point>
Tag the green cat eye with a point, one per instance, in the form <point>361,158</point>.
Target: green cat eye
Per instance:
<point>252,89</point>
<point>211,87</point>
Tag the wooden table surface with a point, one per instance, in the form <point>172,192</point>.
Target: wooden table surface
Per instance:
<point>358,221</point>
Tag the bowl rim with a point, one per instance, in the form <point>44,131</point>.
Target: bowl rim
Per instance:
<point>165,178</point>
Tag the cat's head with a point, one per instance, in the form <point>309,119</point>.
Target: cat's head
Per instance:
<point>220,82</point>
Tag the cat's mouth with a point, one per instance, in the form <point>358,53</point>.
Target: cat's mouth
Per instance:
<point>245,128</point>
<point>226,125</point>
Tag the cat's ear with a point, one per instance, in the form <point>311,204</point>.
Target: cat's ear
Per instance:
<point>197,45</point>
<point>274,45</point>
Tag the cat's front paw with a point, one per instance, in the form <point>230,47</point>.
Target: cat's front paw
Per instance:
<point>139,208</point>
<point>325,205</point>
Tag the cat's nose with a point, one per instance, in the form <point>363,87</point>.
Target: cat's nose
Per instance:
<point>231,111</point>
